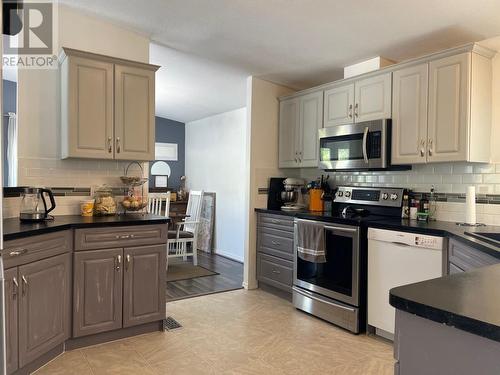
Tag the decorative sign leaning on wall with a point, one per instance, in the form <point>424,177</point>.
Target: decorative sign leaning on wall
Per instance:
<point>166,151</point>
<point>205,234</point>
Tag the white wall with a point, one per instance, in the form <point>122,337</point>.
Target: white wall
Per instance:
<point>262,160</point>
<point>39,99</point>
<point>215,162</point>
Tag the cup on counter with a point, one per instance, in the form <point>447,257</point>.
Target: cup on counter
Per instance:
<point>87,207</point>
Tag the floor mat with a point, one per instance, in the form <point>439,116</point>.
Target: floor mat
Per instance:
<point>185,270</point>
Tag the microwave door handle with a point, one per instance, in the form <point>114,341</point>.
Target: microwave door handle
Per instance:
<point>365,140</point>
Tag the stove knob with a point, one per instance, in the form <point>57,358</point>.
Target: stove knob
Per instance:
<point>347,194</point>
<point>394,196</point>
<point>340,193</point>
<point>385,196</point>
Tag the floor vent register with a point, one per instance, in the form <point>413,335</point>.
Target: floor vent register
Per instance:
<point>170,324</point>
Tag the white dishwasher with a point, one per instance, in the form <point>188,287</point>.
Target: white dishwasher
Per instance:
<point>395,259</point>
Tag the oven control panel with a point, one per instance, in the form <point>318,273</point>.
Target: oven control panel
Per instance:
<point>389,197</point>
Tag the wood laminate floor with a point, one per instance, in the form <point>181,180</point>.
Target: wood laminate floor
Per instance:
<point>238,332</point>
<point>230,277</point>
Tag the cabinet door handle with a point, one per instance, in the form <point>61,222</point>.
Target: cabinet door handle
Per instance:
<point>24,286</point>
<point>356,107</point>
<point>422,147</point>
<point>275,221</point>
<point>110,145</point>
<point>15,289</point>
<point>118,262</point>
<point>127,262</point>
<point>275,243</point>
<point>118,148</point>
<point>350,110</point>
<point>430,147</point>
<point>275,271</point>
<point>18,252</point>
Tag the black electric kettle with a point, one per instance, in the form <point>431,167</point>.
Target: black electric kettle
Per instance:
<point>34,206</point>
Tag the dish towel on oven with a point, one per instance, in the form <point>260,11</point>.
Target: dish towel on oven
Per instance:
<point>311,241</point>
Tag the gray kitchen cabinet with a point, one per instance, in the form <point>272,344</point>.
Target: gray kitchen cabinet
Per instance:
<point>11,319</point>
<point>462,257</point>
<point>143,280</point>
<point>134,113</point>
<point>107,107</point>
<point>87,119</point>
<point>275,251</point>
<point>275,271</point>
<point>409,114</point>
<point>97,291</point>
<point>44,306</point>
<point>300,120</point>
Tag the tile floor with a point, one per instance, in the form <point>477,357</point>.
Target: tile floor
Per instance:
<point>238,332</point>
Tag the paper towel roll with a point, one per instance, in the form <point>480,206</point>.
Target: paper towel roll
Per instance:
<point>470,205</point>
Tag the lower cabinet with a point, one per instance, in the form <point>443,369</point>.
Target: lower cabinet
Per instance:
<point>11,291</point>
<point>117,288</point>
<point>144,283</point>
<point>464,258</point>
<point>275,251</point>
<point>37,297</point>
<point>97,291</point>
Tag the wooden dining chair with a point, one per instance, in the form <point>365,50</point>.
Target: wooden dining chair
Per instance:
<point>183,241</point>
<point>155,204</point>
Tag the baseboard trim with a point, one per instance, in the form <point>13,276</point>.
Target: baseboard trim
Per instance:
<point>40,361</point>
<point>99,338</point>
<point>229,256</point>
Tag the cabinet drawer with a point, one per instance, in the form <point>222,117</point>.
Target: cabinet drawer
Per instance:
<point>102,238</point>
<point>31,249</point>
<point>276,243</point>
<point>278,222</point>
<point>275,271</point>
<point>467,258</point>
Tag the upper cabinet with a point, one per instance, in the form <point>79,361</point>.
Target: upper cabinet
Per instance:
<point>373,98</point>
<point>339,105</point>
<point>440,106</point>
<point>442,110</point>
<point>134,105</point>
<point>363,100</point>
<point>409,114</point>
<point>107,107</point>
<point>300,120</point>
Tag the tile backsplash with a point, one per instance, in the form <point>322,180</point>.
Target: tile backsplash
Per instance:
<point>72,172</point>
<point>446,177</point>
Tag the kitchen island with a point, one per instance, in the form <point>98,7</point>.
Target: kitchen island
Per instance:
<point>449,325</point>
<point>76,281</point>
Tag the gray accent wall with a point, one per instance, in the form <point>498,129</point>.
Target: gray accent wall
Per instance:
<point>170,131</point>
<point>9,103</point>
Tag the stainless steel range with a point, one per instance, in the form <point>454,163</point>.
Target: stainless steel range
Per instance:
<point>334,288</point>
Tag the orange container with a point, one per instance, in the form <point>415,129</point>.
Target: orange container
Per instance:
<point>315,201</point>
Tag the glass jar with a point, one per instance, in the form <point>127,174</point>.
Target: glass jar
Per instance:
<point>105,203</point>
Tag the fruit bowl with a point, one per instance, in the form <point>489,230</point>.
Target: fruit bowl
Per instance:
<point>134,203</point>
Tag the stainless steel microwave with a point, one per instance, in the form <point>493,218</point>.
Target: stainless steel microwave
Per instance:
<point>365,145</point>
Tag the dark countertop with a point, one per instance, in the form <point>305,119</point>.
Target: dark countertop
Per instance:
<point>469,301</point>
<point>13,228</point>
<point>437,228</point>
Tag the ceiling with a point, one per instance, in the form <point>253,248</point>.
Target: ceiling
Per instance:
<point>298,43</point>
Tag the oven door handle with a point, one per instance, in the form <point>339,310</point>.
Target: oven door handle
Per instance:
<point>311,296</point>
<point>365,140</point>
<point>341,229</point>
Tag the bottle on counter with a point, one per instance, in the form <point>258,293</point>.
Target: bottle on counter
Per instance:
<point>405,212</point>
